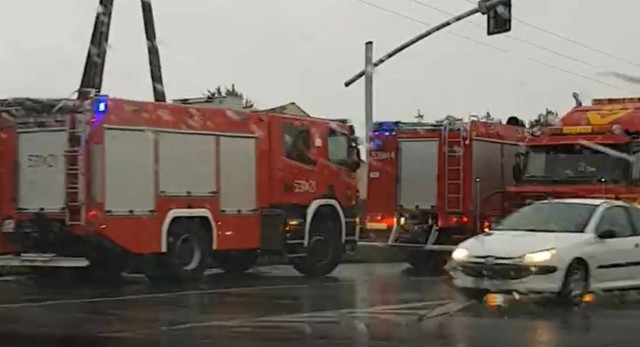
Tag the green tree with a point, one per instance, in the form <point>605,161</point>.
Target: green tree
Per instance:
<point>546,118</point>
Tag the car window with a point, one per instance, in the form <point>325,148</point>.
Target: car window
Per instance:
<point>635,218</point>
<point>560,217</point>
<point>616,218</point>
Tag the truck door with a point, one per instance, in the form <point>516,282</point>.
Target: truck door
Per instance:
<point>41,169</point>
<point>298,168</point>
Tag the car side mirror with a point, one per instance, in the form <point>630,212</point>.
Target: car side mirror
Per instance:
<point>607,234</point>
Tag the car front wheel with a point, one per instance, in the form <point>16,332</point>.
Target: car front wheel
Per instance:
<point>576,282</point>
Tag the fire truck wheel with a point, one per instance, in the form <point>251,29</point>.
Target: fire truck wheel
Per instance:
<point>237,262</point>
<point>430,263</point>
<point>324,252</point>
<point>187,253</point>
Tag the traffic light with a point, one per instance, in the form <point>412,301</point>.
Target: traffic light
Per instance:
<point>499,18</point>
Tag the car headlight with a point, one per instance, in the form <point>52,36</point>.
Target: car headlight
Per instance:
<point>539,257</point>
<point>459,254</point>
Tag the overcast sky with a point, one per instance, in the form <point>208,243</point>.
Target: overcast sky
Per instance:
<point>278,51</point>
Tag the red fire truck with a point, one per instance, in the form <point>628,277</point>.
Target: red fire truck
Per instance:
<point>7,141</point>
<point>591,153</point>
<point>426,180</point>
<point>109,184</point>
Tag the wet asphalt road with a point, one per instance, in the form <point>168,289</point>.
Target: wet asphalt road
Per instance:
<point>361,305</point>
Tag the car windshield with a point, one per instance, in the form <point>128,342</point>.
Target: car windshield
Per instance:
<point>574,163</point>
<point>558,217</point>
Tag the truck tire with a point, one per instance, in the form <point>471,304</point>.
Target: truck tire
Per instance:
<point>429,263</point>
<point>237,262</point>
<point>325,249</point>
<point>188,251</point>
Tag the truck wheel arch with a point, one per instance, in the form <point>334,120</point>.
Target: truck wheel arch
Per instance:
<point>311,210</point>
<point>187,213</point>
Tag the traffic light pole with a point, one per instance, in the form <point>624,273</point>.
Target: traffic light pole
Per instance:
<point>368,88</point>
<point>483,7</point>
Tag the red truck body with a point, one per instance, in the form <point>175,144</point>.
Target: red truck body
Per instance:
<point>588,154</point>
<point>131,177</point>
<point>7,186</point>
<point>425,175</point>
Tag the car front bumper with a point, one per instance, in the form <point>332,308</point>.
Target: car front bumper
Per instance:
<point>507,277</point>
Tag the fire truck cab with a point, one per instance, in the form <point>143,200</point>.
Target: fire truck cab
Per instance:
<point>594,151</point>
<point>111,184</point>
<point>426,181</point>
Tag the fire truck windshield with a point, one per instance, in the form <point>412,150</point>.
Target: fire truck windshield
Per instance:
<point>574,163</point>
<point>343,150</point>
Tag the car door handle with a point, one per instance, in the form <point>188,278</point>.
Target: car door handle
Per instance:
<point>637,245</point>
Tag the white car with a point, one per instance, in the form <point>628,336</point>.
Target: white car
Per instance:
<point>565,246</point>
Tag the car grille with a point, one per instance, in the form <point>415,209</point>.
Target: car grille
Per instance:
<point>504,271</point>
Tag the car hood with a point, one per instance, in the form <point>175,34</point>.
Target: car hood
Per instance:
<point>511,244</point>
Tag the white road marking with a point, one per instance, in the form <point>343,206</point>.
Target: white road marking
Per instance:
<point>155,295</point>
<point>300,320</point>
<point>319,316</point>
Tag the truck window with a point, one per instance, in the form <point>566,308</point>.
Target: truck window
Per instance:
<point>297,143</point>
<point>575,163</point>
<point>338,148</point>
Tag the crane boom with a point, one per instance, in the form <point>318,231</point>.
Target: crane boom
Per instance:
<point>97,52</point>
<point>93,72</point>
<point>154,54</point>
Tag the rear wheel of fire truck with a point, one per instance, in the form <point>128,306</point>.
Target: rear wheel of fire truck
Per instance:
<point>430,263</point>
<point>188,250</point>
<point>325,249</point>
<point>236,262</point>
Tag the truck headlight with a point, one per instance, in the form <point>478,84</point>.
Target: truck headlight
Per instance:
<point>539,257</point>
<point>459,254</point>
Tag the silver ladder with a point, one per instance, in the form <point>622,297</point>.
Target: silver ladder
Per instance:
<point>75,190</point>
<point>453,170</point>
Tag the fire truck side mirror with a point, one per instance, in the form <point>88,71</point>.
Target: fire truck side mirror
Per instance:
<point>518,167</point>
<point>355,159</point>
<point>635,167</point>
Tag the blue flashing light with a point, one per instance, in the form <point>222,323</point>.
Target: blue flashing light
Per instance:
<point>100,107</point>
<point>384,128</point>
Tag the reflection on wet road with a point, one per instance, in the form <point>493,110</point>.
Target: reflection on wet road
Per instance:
<point>362,304</point>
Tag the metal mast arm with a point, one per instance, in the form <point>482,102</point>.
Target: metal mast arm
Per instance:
<point>483,7</point>
<point>97,52</point>
<point>154,54</point>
